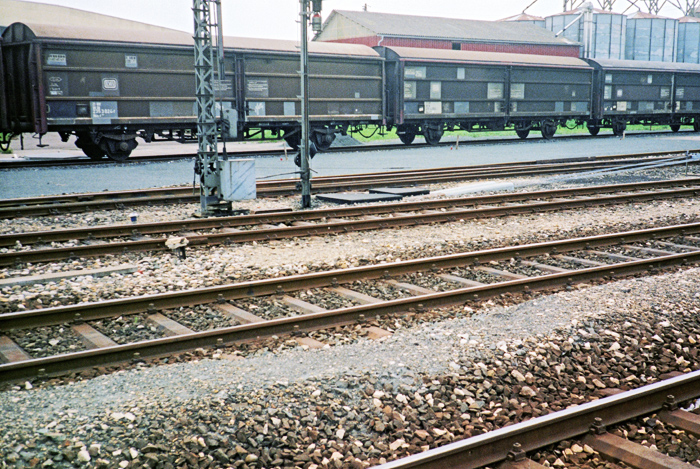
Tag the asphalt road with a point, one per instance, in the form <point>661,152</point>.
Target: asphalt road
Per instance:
<point>49,181</point>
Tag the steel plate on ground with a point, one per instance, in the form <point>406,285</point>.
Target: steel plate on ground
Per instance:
<point>356,198</point>
<point>402,191</point>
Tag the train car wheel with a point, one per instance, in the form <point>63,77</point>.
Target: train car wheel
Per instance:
<point>618,128</point>
<point>407,137</point>
<point>94,152</point>
<point>117,150</point>
<point>675,127</point>
<point>323,141</point>
<point>90,148</point>
<point>593,130</point>
<point>522,133</point>
<point>293,140</point>
<point>432,135</point>
<point>548,129</point>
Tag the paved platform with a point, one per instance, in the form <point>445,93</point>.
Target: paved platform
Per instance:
<point>30,182</point>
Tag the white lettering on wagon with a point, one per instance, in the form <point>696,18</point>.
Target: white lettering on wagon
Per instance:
<point>56,59</point>
<point>57,84</point>
<point>102,112</point>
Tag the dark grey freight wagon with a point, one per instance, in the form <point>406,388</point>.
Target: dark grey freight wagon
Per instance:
<point>637,92</point>
<point>346,83</point>
<point>433,90</point>
<point>106,87</point>
<point>109,86</point>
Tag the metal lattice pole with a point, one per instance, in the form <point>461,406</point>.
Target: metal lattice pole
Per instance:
<point>207,166</point>
<point>304,147</point>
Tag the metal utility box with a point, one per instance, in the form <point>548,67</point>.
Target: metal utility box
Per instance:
<point>238,179</point>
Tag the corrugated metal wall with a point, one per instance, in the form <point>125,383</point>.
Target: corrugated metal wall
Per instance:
<point>688,42</point>
<point>651,39</point>
<point>608,32</point>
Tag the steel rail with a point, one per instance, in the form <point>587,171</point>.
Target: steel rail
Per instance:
<point>78,203</point>
<point>61,364</point>
<point>337,227</point>
<point>537,433</point>
<point>274,286</point>
<point>168,227</point>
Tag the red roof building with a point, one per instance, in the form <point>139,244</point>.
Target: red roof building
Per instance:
<point>385,29</point>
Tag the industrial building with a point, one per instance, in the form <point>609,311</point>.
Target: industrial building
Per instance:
<point>688,40</point>
<point>386,29</point>
<point>651,37</point>
<point>607,31</point>
<point>525,18</point>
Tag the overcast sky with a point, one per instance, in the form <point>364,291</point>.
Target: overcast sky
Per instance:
<point>276,19</point>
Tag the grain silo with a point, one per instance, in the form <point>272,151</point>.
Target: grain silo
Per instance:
<point>607,31</point>
<point>651,37</point>
<point>688,40</point>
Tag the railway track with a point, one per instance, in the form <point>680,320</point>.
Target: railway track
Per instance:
<point>100,240</point>
<point>78,203</point>
<point>85,161</point>
<point>269,308</point>
<point>592,424</point>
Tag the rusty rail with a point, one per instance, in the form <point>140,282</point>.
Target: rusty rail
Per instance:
<point>165,227</point>
<point>239,334</point>
<point>78,203</point>
<point>540,432</point>
<point>344,226</point>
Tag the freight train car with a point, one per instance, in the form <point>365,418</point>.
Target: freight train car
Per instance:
<point>431,90</point>
<point>104,87</point>
<point>108,87</point>
<point>637,92</point>
<point>346,84</point>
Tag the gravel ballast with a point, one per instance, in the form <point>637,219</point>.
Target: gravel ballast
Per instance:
<point>427,384</point>
<point>438,377</point>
